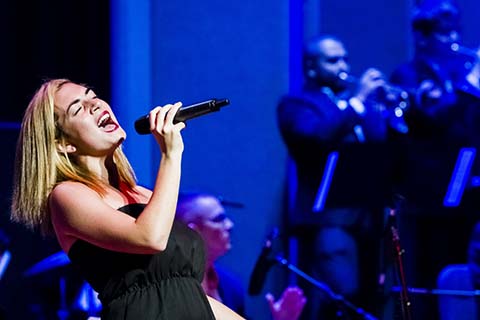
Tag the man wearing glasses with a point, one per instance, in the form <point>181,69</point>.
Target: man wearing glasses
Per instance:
<point>205,213</point>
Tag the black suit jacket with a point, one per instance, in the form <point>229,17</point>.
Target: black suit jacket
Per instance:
<point>312,126</point>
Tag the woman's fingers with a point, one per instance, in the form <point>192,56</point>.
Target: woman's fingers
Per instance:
<point>172,112</point>
<point>157,117</point>
<point>161,118</point>
<point>164,130</point>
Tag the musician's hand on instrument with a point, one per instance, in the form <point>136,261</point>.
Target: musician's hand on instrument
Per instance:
<point>370,81</point>
<point>428,92</point>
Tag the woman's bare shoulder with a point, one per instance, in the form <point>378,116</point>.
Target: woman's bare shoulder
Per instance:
<point>71,189</point>
<point>68,196</point>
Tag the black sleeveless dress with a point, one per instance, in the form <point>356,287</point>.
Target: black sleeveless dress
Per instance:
<point>165,285</point>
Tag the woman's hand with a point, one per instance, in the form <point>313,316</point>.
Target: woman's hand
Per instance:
<point>165,132</point>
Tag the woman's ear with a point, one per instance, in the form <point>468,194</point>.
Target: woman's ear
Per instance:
<point>66,147</point>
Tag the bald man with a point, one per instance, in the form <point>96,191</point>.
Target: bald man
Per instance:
<point>205,214</point>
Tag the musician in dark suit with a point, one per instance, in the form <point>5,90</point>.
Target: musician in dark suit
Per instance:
<point>339,122</point>
<point>442,153</point>
<point>444,108</point>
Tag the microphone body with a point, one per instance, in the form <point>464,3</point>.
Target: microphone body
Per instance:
<point>142,124</point>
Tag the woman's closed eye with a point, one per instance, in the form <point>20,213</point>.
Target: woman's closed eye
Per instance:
<point>81,106</point>
<point>77,110</point>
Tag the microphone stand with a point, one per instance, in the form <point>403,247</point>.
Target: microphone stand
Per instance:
<point>325,288</point>
<point>439,292</point>
<point>404,300</point>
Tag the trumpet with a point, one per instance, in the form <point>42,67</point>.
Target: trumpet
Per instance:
<point>395,99</point>
<point>389,92</point>
<point>471,57</point>
<point>470,53</point>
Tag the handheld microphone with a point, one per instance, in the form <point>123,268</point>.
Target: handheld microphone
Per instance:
<point>142,124</point>
<point>262,266</point>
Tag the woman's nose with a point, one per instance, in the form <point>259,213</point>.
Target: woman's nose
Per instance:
<point>94,106</point>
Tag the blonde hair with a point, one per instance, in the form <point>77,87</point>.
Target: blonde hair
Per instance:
<point>39,165</point>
